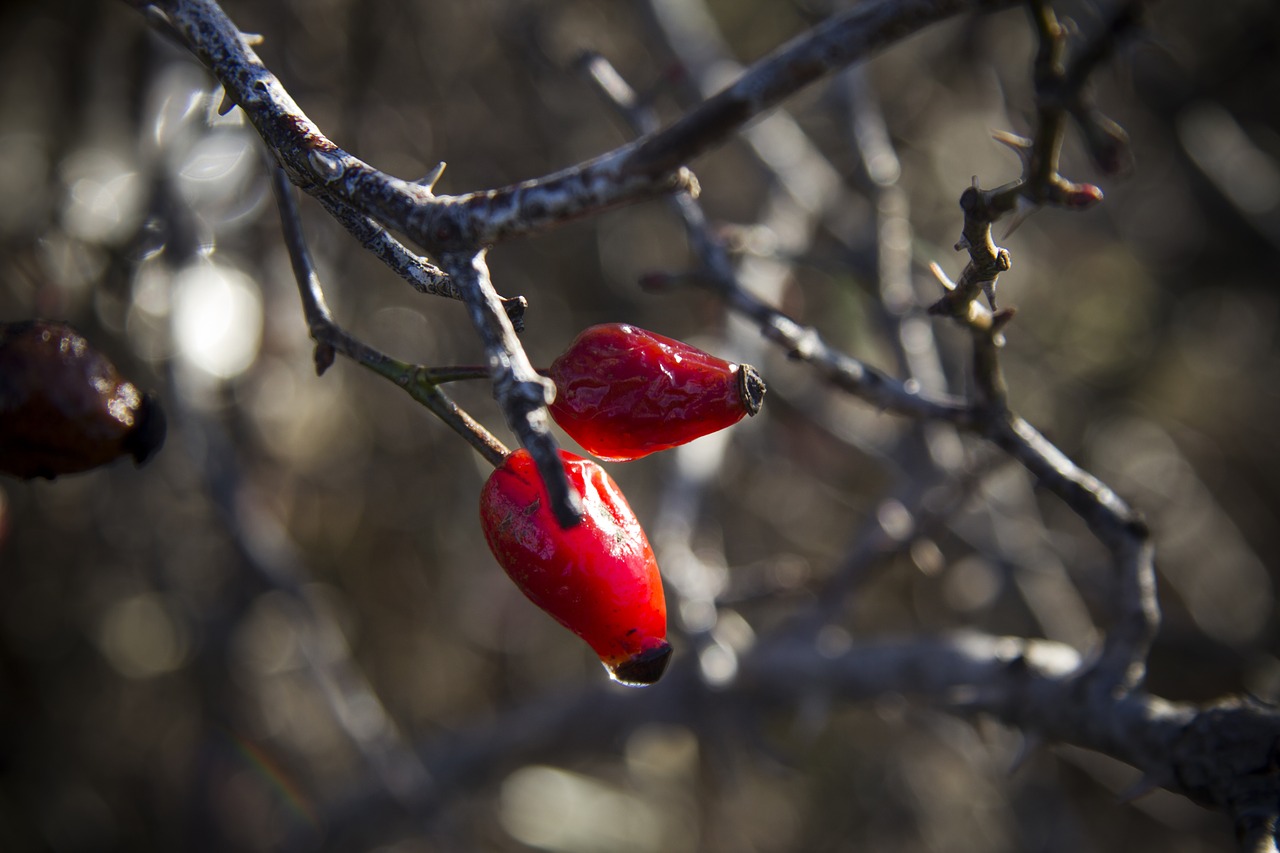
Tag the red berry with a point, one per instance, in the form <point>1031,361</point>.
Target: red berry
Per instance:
<point>63,406</point>
<point>599,578</point>
<point>623,392</point>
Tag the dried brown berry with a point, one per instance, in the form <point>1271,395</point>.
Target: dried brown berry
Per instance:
<point>63,406</point>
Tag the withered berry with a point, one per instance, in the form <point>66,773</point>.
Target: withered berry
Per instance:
<point>63,406</point>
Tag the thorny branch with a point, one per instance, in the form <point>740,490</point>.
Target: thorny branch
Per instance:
<point>354,191</point>
<point>1223,755</point>
<point>1059,89</point>
<point>461,227</point>
<point>524,392</point>
<point>331,339</point>
<point>422,275</point>
<point>1097,706</point>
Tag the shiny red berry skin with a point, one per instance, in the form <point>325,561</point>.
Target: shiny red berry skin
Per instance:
<point>63,406</point>
<point>623,392</point>
<point>599,578</point>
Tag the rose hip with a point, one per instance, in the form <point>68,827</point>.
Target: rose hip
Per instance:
<point>623,392</point>
<point>599,578</point>
<point>63,406</point>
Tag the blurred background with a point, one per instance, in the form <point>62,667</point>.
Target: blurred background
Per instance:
<point>286,633</point>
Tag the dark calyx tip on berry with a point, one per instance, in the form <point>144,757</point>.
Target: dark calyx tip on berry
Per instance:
<point>646,667</point>
<point>751,388</point>
<point>147,435</point>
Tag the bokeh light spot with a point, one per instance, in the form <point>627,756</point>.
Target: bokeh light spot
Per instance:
<point>217,319</point>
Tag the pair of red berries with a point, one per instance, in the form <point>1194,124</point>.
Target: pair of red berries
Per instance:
<point>622,393</point>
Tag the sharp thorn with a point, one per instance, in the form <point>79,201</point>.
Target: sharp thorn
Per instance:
<point>941,276</point>
<point>1012,140</point>
<point>429,180</point>
<point>225,105</point>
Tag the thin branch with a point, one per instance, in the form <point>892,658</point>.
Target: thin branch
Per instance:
<point>331,339</point>
<point>801,342</point>
<point>521,392</point>
<point>1107,142</point>
<point>1059,89</point>
<point>1223,755</point>
<point>424,276</point>
<point>650,166</point>
<point>1137,619</point>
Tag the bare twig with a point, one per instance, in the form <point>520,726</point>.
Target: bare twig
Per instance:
<point>1122,664</point>
<point>424,276</point>
<point>270,559</point>
<point>456,229</point>
<point>1059,89</point>
<point>1222,755</point>
<point>649,166</point>
<point>331,339</point>
<point>522,393</point>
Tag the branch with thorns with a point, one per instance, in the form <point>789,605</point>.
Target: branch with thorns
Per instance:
<point>1223,754</point>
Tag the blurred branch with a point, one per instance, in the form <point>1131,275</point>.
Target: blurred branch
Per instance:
<point>1120,668</point>
<point>1122,664</point>
<point>1223,755</point>
<point>271,557</point>
<point>838,42</point>
<point>797,168</point>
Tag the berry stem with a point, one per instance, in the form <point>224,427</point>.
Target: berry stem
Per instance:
<point>453,373</point>
<point>420,383</point>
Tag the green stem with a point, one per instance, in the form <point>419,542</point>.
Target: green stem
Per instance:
<point>421,384</point>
